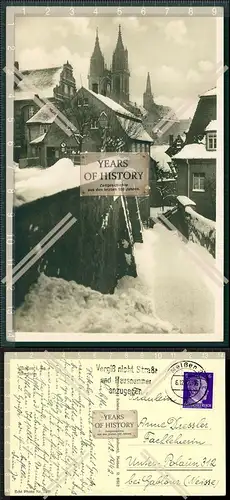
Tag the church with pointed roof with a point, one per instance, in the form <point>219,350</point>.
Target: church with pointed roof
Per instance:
<point>113,81</point>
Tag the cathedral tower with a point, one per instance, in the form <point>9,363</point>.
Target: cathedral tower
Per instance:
<point>97,68</point>
<point>148,101</point>
<point>120,71</point>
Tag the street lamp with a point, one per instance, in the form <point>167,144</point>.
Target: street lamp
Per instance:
<point>103,122</point>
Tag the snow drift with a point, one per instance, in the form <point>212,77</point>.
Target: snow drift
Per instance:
<point>172,293</point>
<point>33,183</point>
<point>56,305</point>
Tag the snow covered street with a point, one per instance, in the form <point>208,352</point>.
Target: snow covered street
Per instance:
<point>170,294</point>
<point>181,291</point>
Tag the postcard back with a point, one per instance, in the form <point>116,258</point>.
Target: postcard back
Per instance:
<point>114,424</point>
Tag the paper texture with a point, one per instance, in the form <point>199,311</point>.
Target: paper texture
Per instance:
<point>53,444</point>
<point>157,260</point>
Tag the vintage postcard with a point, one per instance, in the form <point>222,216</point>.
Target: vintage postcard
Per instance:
<point>115,174</point>
<point>115,424</point>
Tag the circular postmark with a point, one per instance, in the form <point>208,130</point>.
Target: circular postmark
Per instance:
<point>176,378</point>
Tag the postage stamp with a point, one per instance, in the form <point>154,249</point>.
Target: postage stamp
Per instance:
<point>110,424</point>
<point>175,386</point>
<point>198,390</point>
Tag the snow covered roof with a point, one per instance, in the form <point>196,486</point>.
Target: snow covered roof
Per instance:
<point>212,126</point>
<point>159,148</point>
<point>209,92</point>
<point>160,157</point>
<point>134,129</point>
<point>195,151</point>
<point>114,106</point>
<point>137,107</point>
<point>33,183</point>
<point>39,139</point>
<point>38,81</point>
<point>44,115</point>
<point>185,201</point>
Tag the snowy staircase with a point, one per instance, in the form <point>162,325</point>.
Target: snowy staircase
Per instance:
<point>162,217</point>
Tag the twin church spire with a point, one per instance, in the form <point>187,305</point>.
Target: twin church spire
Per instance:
<point>114,81</point>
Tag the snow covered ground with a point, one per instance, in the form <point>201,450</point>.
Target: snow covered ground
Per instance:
<point>183,291</point>
<point>171,294</point>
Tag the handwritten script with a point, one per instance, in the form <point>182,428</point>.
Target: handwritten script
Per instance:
<point>73,429</point>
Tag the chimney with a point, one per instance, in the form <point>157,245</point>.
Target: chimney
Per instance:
<point>16,65</point>
<point>170,140</point>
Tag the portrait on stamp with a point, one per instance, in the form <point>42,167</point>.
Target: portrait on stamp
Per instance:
<point>198,390</point>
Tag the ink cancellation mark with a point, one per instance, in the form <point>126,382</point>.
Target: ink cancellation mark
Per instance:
<point>198,390</point>
<point>110,424</point>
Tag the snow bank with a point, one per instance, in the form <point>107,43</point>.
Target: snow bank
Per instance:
<point>185,201</point>
<point>34,183</point>
<point>56,305</point>
<point>175,275</point>
<point>171,285</point>
<point>201,230</point>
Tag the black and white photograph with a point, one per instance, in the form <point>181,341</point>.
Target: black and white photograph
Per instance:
<point>117,267</point>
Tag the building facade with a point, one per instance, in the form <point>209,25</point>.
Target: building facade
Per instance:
<point>32,91</point>
<point>122,130</point>
<point>196,162</point>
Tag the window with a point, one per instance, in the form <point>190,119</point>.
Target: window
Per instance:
<point>95,88</point>
<point>211,141</point>
<point>33,151</point>
<point>30,111</point>
<point>85,102</point>
<point>133,149</point>
<point>43,129</point>
<point>66,89</point>
<point>94,124</point>
<point>198,182</point>
<point>71,90</point>
<point>79,102</point>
